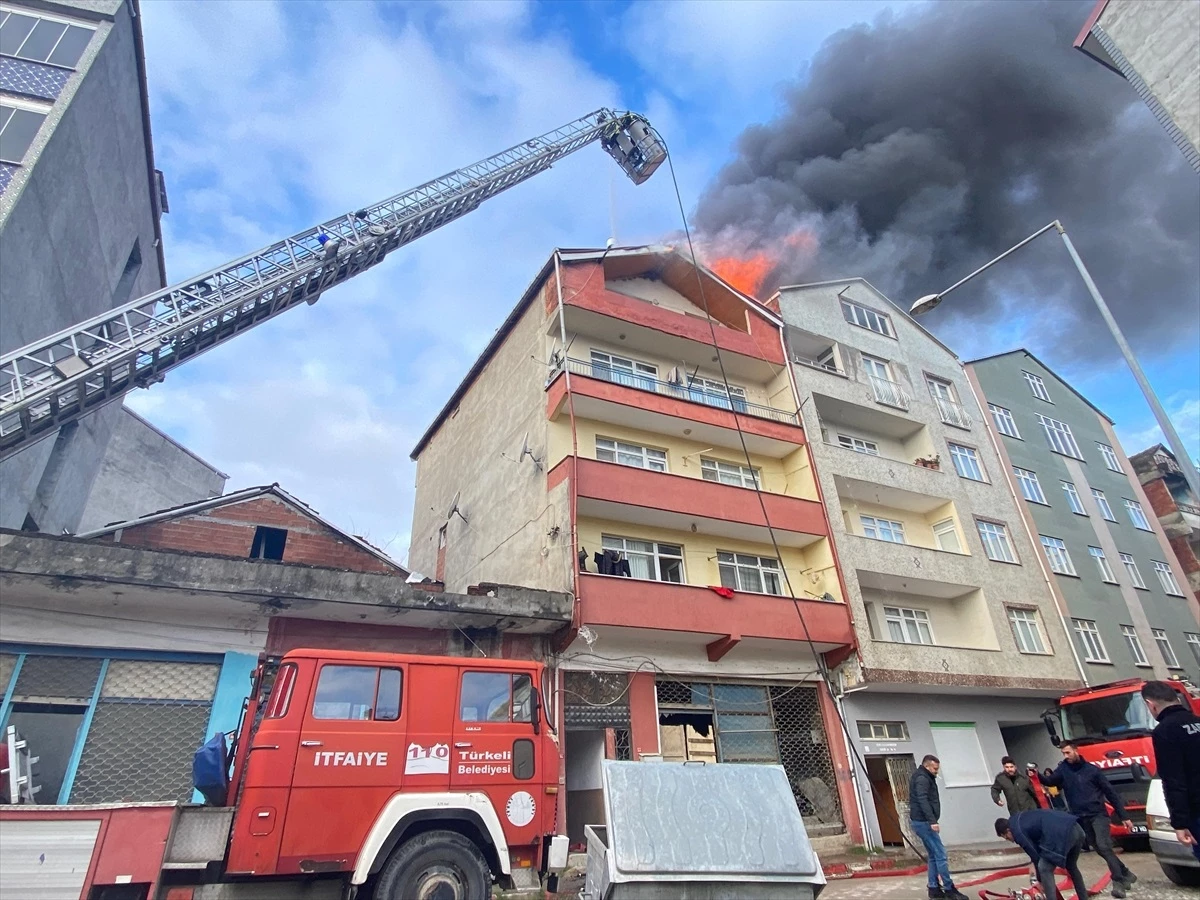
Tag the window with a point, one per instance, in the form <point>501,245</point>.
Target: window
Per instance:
<point>957,746</point>
<point>1056,554</point>
<point>753,574</point>
<point>1005,423</point>
<point>1137,516</point>
<point>496,697</point>
<point>876,368</point>
<point>908,626</point>
<point>1026,630</point>
<point>1193,642</point>
<point>1166,578</point>
<point>1073,499</point>
<point>1058,435</point>
<point>1164,647</point>
<point>714,393</point>
<point>281,693</point>
<point>631,455</point>
<point>946,535</point>
<point>1037,386</point>
<point>1089,640</point>
<point>883,529</point>
<point>1106,572</point>
<point>1102,502</point>
<point>1135,645</point>
<point>1135,577</point>
<point>867,318</point>
<point>18,127</point>
<point>1110,456</point>
<point>883,731</point>
<point>858,445</point>
<point>1031,490</point>
<point>648,559</point>
<point>951,411</point>
<point>966,462</point>
<point>268,543</point>
<point>620,370</point>
<point>995,542</point>
<point>730,473</point>
<point>42,40</point>
<point>357,694</point>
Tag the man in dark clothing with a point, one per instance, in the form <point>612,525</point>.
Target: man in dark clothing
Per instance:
<point>924,810</point>
<point>1053,840</point>
<point>1086,789</point>
<point>1016,788</point>
<point>1177,755</point>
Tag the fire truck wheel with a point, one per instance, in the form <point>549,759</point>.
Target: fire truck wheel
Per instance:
<point>435,865</point>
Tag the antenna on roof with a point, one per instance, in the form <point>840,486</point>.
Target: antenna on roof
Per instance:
<point>454,510</point>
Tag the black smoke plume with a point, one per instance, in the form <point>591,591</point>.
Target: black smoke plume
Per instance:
<point>919,147</point>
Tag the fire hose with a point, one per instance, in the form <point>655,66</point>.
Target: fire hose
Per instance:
<point>1034,891</point>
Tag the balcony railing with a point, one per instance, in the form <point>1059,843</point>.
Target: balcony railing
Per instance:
<point>827,365</point>
<point>695,394</point>
<point>889,393</point>
<point>953,413</point>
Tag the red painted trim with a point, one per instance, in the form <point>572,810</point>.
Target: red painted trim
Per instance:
<point>1092,19</point>
<point>842,767</point>
<point>633,603</point>
<point>643,714</point>
<point>721,646</point>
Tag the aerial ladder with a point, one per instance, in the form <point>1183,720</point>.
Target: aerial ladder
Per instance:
<point>58,379</point>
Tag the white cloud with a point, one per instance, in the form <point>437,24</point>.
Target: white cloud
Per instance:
<point>1183,411</point>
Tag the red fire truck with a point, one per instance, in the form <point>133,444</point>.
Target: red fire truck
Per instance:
<point>357,774</point>
<point>1111,724</point>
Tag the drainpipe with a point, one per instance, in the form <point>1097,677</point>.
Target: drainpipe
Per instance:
<point>852,755</point>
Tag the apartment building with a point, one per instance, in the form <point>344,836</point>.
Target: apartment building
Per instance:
<point>950,605</point>
<point>1113,568</point>
<point>1176,506</point>
<point>595,447</point>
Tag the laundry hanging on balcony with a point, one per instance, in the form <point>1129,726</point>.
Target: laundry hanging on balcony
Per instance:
<point>612,562</point>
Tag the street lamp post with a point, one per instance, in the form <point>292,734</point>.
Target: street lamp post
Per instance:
<point>929,301</point>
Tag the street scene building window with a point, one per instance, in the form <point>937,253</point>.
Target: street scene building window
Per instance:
<point>1057,555</point>
<point>42,39</point>
<point>753,574</point>
<point>995,542</point>
<point>1031,490</point>
<point>1193,642</point>
<point>730,473</point>
<point>946,399</point>
<point>966,462</point>
<point>1090,641</point>
<point>1110,456</point>
<point>624,371</point>
<point>1073,499</point>
<point>883,731</point>
<point>1135,645</point>
<point>631,455</point>
<point>858,445</point>
<point>1058,435</point>
<point>883,529</point>
<point>1005,423</point>
<point>18,127</point>
<point>957,746</point>
<point>649,560</point>
<point>946,534</point>
<point>1106,572</point>
<point>1037,386</point>
<point>1026,630</point>
<point>863,317</point>
<point>1137,516</point>
<point>715,393</point>
<point>1102,502</point>
<point>1135,577</point>
<point>1164,647</point>
<point>1167,578</point>
<point>908,626</point>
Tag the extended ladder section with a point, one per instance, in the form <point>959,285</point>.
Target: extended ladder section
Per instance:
<point>54,381</point>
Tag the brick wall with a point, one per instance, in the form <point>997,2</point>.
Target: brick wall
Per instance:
<point>229,531</point>
<point>1160,498</point>
<point>285,633</point>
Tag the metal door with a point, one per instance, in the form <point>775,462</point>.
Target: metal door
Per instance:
<point>45,860</point>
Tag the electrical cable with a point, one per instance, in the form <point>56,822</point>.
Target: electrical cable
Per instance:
<point>819,659</point>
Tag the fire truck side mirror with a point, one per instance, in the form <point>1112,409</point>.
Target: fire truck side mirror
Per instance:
<point>535,702</point>
<point>1051,729</point>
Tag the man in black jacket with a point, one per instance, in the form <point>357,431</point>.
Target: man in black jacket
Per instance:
<point>924,810</point>
<point>1086,789</point>
<point>1177,756</point>
<point>1016,788</point>
<point>1053,840</point>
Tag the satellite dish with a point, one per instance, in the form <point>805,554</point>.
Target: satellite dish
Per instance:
<point>454,510</point>
<point>525,451</point>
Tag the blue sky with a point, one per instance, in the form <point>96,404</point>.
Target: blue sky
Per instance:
<point>269,117</point>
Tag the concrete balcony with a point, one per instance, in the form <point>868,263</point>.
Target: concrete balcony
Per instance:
<point>901,566</point>
<point>718,623</point>
<point>641,497</point>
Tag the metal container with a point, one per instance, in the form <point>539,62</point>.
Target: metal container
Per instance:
<point>682,831</point>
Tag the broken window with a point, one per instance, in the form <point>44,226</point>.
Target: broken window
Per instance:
<point>268,543</point>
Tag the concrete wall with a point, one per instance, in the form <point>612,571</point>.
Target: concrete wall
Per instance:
<point>957,586</point>
<point>1087,595</point>
<point>144,471</point>
<point>74,214</point>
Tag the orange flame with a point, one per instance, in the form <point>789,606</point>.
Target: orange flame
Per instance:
<point>748,270</point>
<point>747,275</point>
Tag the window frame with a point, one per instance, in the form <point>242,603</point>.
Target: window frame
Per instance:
<point>1074,501</point>
<point>326,666</point>
<point>1134,642</point>
<point>640,449</point>
<point>847,442</point>
<point>1066,556</point>
<point>1164,572</point>
<point>901,619</point>
<point>891,526</point>
<point>998,419</point>
<point>972,454</point>
<point>951,530</point>
<point>736,565</point>
<point>1032,624</point>
<point>17,105</point>
<point>850,308</point>
<point>1164,648</point>
<point>1102,504</point>
<point>1003,536</point>
<point>57,19</point>
<point>1131,567</point>
<point>512,694</point>
<point>1058,429</point>
<point>877,730</point>
<point>1037,386</point>
<point>753,473</point>
<point>1134,508</point>
<point>1110,457</point>
<point>655,555</point>
<point>647,370</point>
<point>1090,638</point>
<point>1192,639</point>
<point>1107,575</point>
<point>1027,478</point>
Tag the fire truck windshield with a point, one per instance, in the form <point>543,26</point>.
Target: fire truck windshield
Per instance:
<point>1103,718</point>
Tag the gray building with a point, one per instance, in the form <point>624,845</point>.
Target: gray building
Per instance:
<point>1114,572</point>
<point>80,202</point>
<point>950,606</point>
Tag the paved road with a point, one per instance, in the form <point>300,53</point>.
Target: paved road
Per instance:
<point>1151,885</point>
